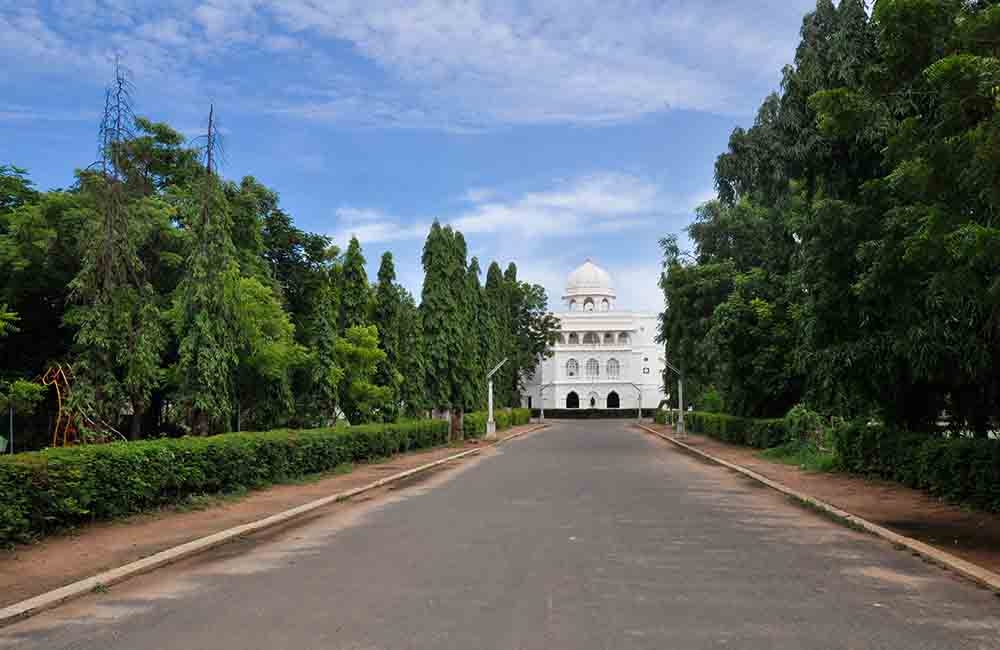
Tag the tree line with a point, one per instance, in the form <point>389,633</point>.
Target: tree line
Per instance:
<point>852,258</point>
<point>183,302</point>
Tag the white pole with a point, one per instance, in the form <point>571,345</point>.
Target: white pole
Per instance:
<point>491,425</point>
<point>680,403</point>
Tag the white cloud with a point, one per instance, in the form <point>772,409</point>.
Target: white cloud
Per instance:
<point>426,63</point>
<point>546,233</point>
<point>577,208</point>
<point>373,226</point>
<point>598,202</point>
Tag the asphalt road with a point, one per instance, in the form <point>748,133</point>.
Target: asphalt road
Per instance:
<point>585,535</point>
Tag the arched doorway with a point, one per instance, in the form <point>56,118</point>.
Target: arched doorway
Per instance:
<point>614,401</point>
<point>572,400</point>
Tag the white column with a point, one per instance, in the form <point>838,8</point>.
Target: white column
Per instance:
<point>491,425</point>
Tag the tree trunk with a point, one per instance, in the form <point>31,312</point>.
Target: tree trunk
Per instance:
<point>135,431</point>
<point>200,425</point>
<point>151,418</point>
<point>457,417</point>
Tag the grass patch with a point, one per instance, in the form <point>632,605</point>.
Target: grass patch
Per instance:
<point>804,455</point>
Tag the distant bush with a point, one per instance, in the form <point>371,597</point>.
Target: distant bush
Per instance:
<point>958,469</point>
<point>55,488</point>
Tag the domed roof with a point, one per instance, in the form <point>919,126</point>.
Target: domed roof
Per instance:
<point>588,278</point>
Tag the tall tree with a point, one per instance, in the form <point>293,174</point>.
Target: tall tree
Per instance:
<point>511,370</point>
<point>387,316</point>
<point>412,361</point>
<point>497,333</point>
<point>444,320</point>
<point>479,325</point>
<point>355,298</point>
<point>119,325</point>
<point>358,355</point>
<point>533,330</point>
<point>325,372</point>
<point>204,311</point>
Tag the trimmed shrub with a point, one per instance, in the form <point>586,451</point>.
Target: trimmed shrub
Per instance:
<point>475,423</point>
<point>55,488</point>
<point>966,470</point>
<point>520,417</point>
<point>593,414</point>
<point>752,432</point>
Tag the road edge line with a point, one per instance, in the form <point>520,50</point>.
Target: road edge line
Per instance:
<point>55,597</point>
<point>977,574</point>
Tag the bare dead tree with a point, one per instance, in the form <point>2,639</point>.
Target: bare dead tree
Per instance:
<point>117,123</point>
<point>114,265</point>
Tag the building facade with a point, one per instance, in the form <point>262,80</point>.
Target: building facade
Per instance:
<point>605,358</point>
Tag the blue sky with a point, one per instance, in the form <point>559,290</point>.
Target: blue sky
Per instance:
<point>546,131</point>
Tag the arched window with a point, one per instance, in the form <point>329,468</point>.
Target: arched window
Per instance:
<point>623,338</point>
<point>593,368</point>
<point>572,368</point>
<point>590,338</point>
<point>560,339</point>
<point>572,305</point>
<point>614,402</point>
<point>574,338</point>
<point>614,369</point>
<point>609,339</point>
<point>572,400</point>
<point>605,305</point>
<point>588,304</point>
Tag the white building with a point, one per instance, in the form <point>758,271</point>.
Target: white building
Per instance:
<point>604,357</point>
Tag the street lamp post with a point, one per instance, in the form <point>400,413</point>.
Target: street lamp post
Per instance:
<point>680,395</point>
<point>639,391</point>
<point>491,425</point>
<point>541,401</point>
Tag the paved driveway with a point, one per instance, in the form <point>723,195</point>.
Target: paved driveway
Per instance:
<point>585,535</point>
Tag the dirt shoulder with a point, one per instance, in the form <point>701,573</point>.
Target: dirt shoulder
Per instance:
<point>971,535</point>
<point>30,570</point>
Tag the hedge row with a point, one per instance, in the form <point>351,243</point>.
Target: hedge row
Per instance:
<point>474,424</point>
<point>55,488</point>
<point>752,432</point>
<point>958,469</point>
<point>594,414</point>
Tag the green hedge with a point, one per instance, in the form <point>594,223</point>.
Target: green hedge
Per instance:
<point>55,488</point>
<point>474,424</point>
<point>593,414</point>
<point>958,469</point>
<point>752,432</point>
